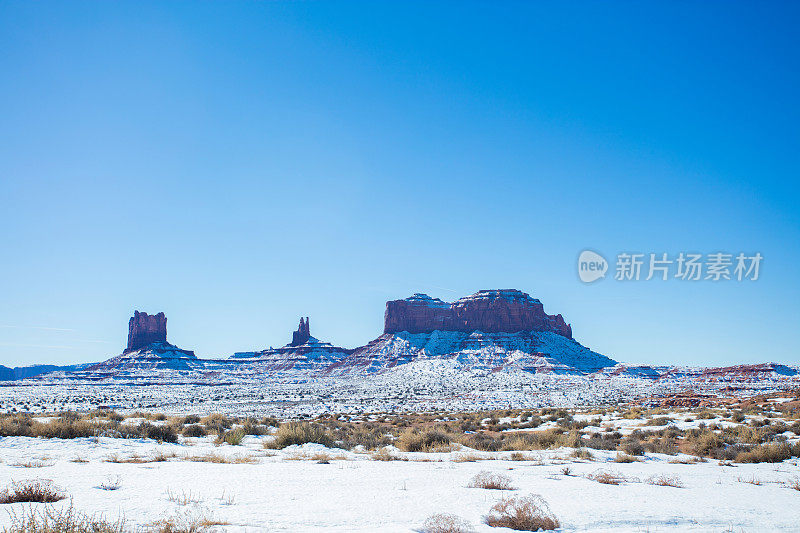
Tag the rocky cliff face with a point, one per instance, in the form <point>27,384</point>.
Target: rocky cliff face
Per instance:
<point>488,311</point>
<point>144,329</point>
<point>302,334</point>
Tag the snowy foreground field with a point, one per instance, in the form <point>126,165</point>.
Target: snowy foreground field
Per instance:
<point>723,469</point>
<point>290,491</point>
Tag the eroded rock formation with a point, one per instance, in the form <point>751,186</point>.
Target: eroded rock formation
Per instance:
<point>302,334</point>
<point>144,329</point>
<point>488,311</point>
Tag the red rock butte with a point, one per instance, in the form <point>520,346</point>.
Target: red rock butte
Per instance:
<point>489,311</point>
<point>302,334</point>
<point>144,329</point>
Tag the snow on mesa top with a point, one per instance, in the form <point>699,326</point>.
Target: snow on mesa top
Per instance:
<point>488,311</point>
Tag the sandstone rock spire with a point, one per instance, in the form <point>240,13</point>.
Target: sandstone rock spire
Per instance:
<point>302,334</point>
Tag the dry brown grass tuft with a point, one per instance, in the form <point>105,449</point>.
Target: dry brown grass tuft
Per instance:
<point>53,520</point>
<point>665,481</point>
<point>491,480</point>
<point>320,457</point>
<point>31,491</point>
<point>186,522</point>
<point>689,461</point>
<point>521,456</point>
<point>625,458</point>
<point>467,457</point>
<point>752,481</point>
<point>793,483</point>
<point>111,483</point>
<point>157,457</point>
<point>606,477</point>
<point>183,497</point>
<point>582,453</point>
<point>221,459</point>
<point>446,523</point>
<point>523,513</point>
<point>384,454</point>
<point>33,463</point>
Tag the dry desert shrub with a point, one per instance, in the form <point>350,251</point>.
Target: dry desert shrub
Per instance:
<point>133,459</point>
<point>523,513</point>
<point>606,477</point>
<point>384,454</point>
<point>300,433</point>
<point>602,441</point>
<point>704,442</point>
<point>217,423</point>
<point>467,457</point>
<point>768,453</point>
<point>752,481</point>
<point>581,453</point>
<point>520,456</point>
<point>31,491</point>
<point>481,441</point>
<point>52,520</point>
<point>625,458</point>
<point>658,421</point>
<point>221,459</point>
<point>194,430</point>
<point>424,441</point>
<point>491,480</point>
<point>665,481</point>
<point>370,436</point>
<point>111,483</point>
<point>794,483</point>
<point>233,437</point>
<point>689,461</point>
<point>446,523</point>
<point>186,522</point>
<point>146,430</point>
<point>632,446</point>
<point>32,463</point>
<point>661,444</point>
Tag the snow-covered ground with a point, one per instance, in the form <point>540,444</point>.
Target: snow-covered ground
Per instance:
<point>289,490</point>
<point>421,385</point>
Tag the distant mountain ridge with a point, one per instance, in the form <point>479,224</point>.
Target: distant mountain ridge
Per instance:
<point>497,329</point>
<point>490,331</point>
<point>24,372</point>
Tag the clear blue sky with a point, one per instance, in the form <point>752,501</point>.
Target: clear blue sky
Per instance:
<point>237,165</point>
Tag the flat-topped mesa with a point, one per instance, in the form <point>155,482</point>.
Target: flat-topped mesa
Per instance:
<point>302,334</point>
<point>489,311</point>
<point>144,329</point>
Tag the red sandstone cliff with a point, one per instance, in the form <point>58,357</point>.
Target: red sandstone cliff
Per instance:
<point>489,311</point>
<point>144,329</point>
